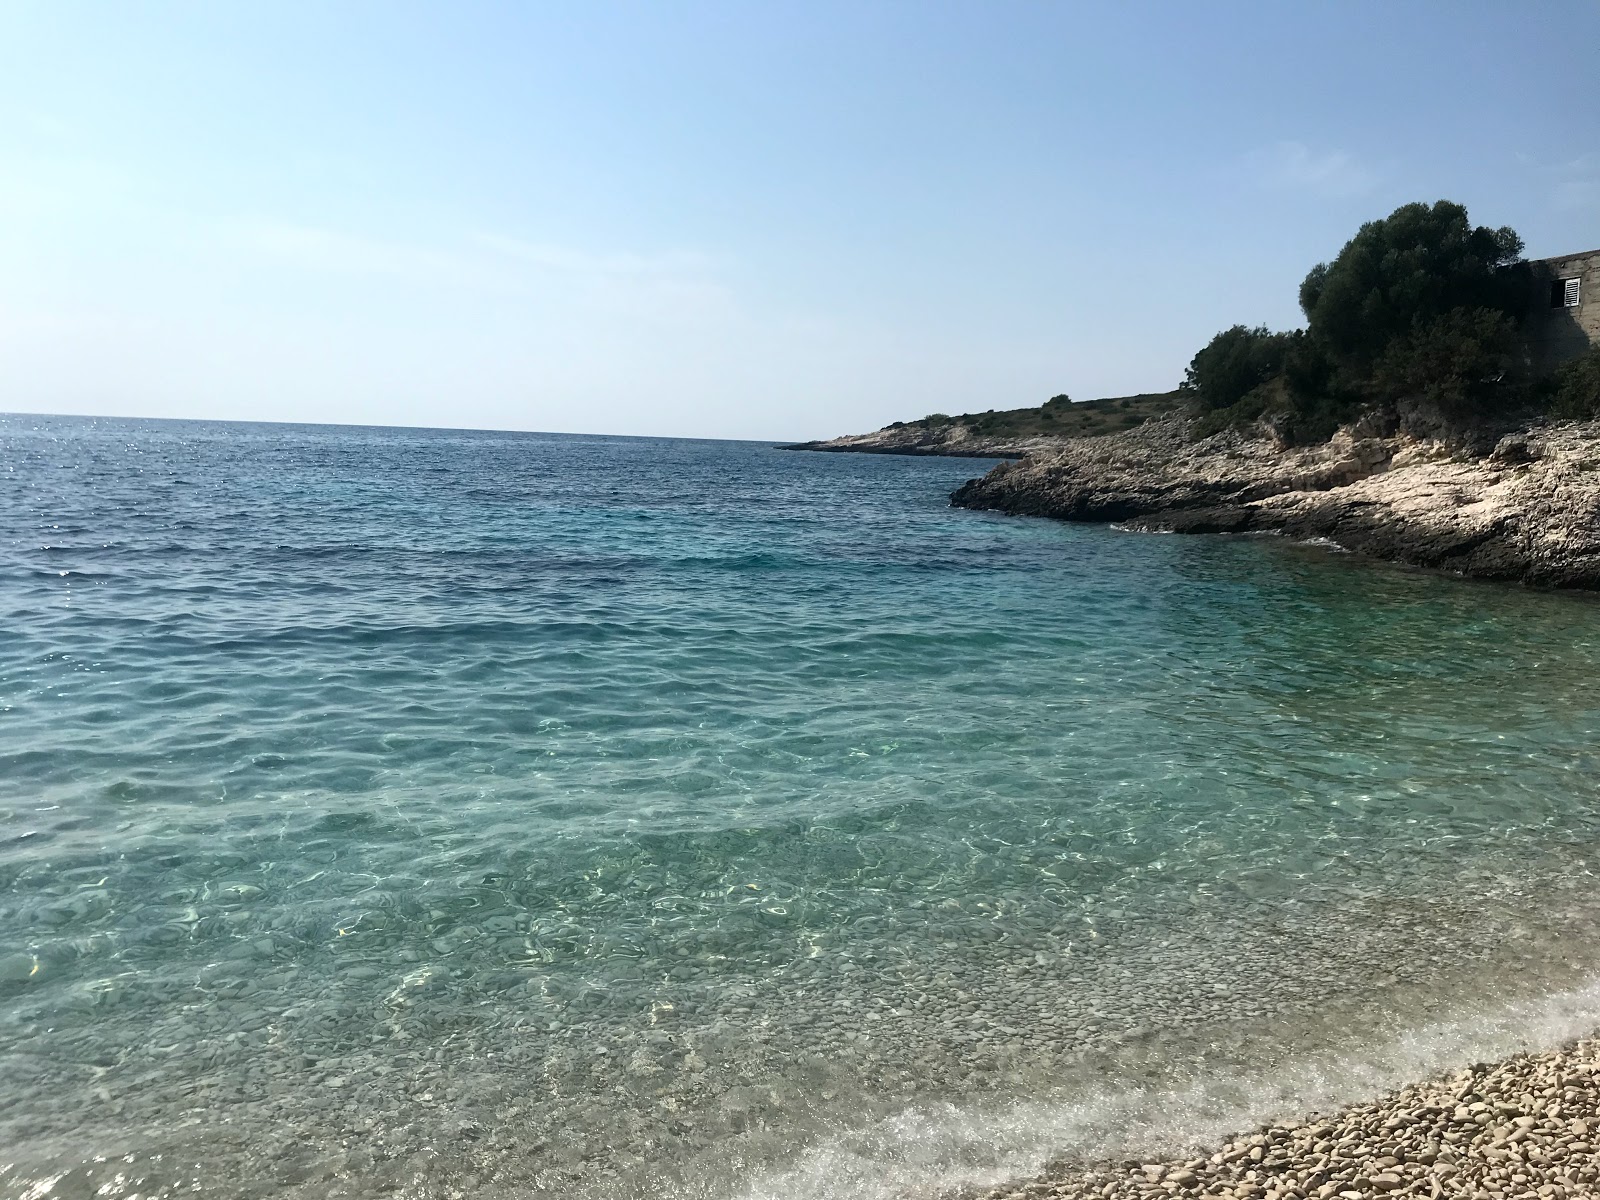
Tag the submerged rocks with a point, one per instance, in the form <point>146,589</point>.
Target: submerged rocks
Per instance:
<point>1528,512</point>
<point>1523,1127</point>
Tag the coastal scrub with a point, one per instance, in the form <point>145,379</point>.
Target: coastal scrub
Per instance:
<point>1419,305</point>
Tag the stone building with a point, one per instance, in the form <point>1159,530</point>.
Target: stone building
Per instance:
<point>1564,311</point>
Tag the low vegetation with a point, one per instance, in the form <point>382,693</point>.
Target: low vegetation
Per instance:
<point>1573,393</point>
<point>1060,416</point>
<point>1421,310</point>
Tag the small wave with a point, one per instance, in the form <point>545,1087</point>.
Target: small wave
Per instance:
<point>929,1152</point>
<point>1325,543</point>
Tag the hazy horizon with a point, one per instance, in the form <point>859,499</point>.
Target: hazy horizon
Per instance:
<point>564,433</point>
<point>769,224</point>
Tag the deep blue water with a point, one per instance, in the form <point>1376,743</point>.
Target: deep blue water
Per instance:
<point>398,811</point>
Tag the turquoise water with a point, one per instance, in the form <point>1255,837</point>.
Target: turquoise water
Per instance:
<point>425,813</point>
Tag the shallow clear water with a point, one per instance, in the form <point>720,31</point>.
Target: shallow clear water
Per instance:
<point>434,813</point>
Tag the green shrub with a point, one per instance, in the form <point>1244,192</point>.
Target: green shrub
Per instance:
<point>1247,410</point>
<point>1576,394</point>
<point>1458,360</point>
<point>1315,418</point>
<point>1233,364</point>
<point>1308,368</point>
<point>1297,418</point>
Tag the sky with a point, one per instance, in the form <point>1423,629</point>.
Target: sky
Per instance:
<point>771,220</point>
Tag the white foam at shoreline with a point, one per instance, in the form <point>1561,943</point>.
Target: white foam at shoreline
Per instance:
<point>923,1153</point>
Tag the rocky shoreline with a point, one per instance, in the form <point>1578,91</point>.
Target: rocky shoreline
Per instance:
<point>1525,1127</point>
<point>952,441</point>
<point>1527,511</point>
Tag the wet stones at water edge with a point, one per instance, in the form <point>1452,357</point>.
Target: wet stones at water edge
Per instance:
<point>1526,1127</point>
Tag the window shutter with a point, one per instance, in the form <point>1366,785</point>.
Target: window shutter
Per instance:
<point>1570,294</point>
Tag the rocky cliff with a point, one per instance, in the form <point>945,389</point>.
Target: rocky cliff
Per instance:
<point>1528,511</point>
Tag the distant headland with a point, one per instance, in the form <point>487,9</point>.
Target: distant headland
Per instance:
<point>1013,433</point>
<point>1441,408</point>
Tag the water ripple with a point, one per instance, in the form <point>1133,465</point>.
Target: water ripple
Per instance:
<point>382,810</point>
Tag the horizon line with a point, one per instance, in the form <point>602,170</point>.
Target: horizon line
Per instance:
<point>655,437</point>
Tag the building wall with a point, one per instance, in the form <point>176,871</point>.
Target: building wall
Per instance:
<point>1555,335</point>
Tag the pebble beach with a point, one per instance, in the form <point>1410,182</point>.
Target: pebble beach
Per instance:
<point>1528,1126</point>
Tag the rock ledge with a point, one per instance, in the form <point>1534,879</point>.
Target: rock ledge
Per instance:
<point>1528,512</point>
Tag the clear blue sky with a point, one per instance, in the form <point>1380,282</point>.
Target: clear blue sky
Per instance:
<point>769,219</point>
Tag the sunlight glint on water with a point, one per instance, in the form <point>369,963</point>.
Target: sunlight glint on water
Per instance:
<point>561,816</point>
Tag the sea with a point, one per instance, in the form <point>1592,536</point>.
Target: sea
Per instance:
<point>432,813</point>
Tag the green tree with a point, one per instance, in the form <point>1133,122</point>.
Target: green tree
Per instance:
<point>1401,273</point>
<point>1456,359</point>
<point>1235,363</point>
